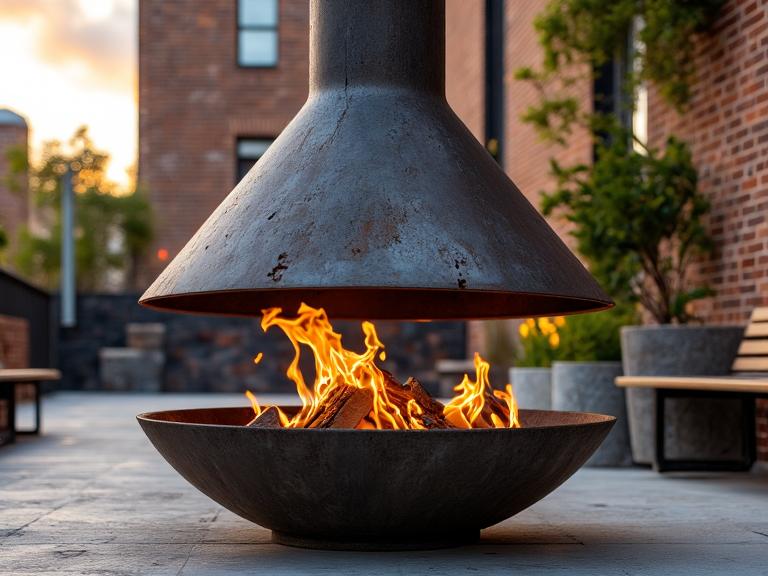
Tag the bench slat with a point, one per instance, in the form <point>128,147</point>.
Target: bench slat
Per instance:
<point>19,375</point>
<point>747,364</point>
<point>760,314</point>
<point>754,347</point>
<point>723,384</point>
<point>756,329</point>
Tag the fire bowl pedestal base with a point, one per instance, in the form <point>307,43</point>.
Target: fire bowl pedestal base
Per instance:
<point>426,542</point>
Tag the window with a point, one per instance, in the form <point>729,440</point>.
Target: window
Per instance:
<point>257,33</point>
<point>640,110</point>
<point>249,150</point>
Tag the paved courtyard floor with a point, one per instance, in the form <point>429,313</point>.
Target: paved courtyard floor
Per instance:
<point>91,496</point>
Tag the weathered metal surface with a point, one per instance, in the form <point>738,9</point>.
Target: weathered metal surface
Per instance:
<point>369,489</point>
<point>376,201</point>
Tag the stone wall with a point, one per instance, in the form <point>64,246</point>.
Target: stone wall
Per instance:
<point>209,354</point>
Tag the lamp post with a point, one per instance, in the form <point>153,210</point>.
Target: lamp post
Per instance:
<point>68,290</point>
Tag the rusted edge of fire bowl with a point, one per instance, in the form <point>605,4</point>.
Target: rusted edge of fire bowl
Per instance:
<point>374,489</point>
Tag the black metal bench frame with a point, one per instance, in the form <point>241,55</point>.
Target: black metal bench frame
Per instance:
<point>748,432</point>
<point>8,393</point>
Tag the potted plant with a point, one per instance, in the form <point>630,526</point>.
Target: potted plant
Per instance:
<point>531,376</point>
<point>589,360</point>
<point>638,218</point>
<point>636,212</point>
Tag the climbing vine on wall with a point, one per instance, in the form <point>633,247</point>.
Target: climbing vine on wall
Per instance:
<point>578,37</point>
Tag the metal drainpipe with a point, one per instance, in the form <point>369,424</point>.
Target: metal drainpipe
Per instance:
<point>494,79</point>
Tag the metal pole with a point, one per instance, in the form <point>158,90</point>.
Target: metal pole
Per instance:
<point>68,290</point>
<point>494,79</point>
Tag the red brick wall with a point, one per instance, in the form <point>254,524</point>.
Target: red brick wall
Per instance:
<point>194,102</point>
<point>14,342</point>
<point>14,208</point>
<point>526,157</point>
<point>727,128</point>
<point>465,62</point>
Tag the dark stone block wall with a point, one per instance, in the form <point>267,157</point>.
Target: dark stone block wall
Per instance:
<point>210,354</point>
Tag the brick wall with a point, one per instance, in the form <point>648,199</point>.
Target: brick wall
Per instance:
<point>727,128</point>
<point>14,342</point>
<point>465,62</point>
<point>526,157</point>
<point>195,101</point>
<point>14,208</point>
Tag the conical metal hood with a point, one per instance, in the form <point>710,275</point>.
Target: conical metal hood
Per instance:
<point>376,201</point>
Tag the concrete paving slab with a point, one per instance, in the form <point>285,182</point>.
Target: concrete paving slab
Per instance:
<point>92,496</point>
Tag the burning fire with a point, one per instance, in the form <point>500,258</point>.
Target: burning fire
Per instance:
<point>342,375</point>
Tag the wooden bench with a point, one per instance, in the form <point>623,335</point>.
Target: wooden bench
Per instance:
<point>9,379</point>
<point>748,381</point>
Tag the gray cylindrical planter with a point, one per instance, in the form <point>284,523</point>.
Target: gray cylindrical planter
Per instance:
<point>590,387</point>
<point>695,428</point>
<point>533,387</point>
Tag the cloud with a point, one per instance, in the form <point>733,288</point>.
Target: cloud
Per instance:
<point>97,36</point>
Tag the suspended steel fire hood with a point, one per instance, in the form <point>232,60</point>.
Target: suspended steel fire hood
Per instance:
<point>376,201</point>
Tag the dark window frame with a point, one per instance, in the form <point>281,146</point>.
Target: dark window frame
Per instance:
<point>238,158</point>
<point>256,27</point>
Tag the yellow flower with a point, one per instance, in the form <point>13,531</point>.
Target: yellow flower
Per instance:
<point>554,340</point>
<point>559,321</point>
<point>531,323</point>
<point>546,326</point>
<point>524,330</point>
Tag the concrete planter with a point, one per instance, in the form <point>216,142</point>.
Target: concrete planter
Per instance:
<point>589,387</point>
<point>695,428</point>
<point>533,387</point>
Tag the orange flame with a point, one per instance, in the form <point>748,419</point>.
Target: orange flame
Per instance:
<point>467,406</point>
<point>335,366</point>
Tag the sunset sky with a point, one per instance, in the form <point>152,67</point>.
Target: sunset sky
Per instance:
<point>65,63</point>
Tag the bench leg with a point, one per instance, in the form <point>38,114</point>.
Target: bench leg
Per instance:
<point>8,393</point>
<point>660,463</point>
<point>748,433</point>
<point>38,406</point>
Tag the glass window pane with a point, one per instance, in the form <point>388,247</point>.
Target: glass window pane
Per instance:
<point>258,12</point>
<point>253,149</point>
<point>257,47</point>
<point>248,152</point>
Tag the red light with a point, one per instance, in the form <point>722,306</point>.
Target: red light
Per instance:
<point>162,254</point>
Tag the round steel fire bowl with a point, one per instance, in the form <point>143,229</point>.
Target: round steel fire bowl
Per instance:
<point>374,489</point>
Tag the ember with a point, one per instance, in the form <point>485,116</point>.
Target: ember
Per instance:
<point>351,391</point>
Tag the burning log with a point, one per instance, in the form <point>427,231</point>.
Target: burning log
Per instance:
<point>269,418</point>
<point>344,409</point>
<point>429,411</point>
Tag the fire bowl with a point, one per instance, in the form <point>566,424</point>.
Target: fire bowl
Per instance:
<point>374,489</point>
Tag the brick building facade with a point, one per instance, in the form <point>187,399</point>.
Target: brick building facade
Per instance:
<point>211,98</point>
<point>14,204</point>
<point>726,126</point>
<point>199,106</point>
